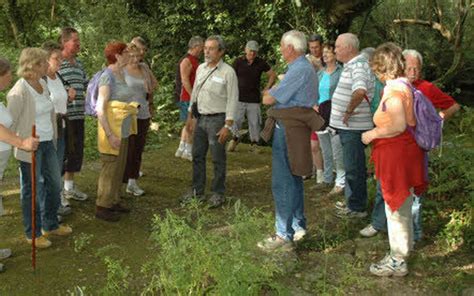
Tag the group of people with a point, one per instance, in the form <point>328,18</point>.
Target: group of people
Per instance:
<point>324,111</point>
<point>45,113</point>
<point>330,104</point>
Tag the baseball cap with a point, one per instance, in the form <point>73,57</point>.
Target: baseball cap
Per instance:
<point>252,45</point>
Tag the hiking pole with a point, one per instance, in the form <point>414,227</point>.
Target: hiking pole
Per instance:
<point>33,203</point>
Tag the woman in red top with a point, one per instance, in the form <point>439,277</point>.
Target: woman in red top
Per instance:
<point>397,157</point>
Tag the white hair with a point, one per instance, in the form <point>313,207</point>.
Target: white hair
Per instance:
<point>413,53</point>
<point>351,40</point>
<point>296,39</point>
<point>368,52</point>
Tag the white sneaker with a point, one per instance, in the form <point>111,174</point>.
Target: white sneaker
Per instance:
<point>299,234</point>
<point>368,231</point>
<point>274,243</point>
<point>135,190</point>
<point>340,205</point>
<point>389,266</point>
<point>187,155</point>
<point>75,194</point>
<point>5,253</point>
<point>348,213</point>
<point>336,190</point>
<point>179,152</point>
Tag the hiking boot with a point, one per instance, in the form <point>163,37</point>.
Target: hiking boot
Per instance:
<point>216,200</point>
<point>336,190</point>
<point>299,234</point>
<point>62,230</point>
<point>368,231</point>
<point>120,209</point>
<point>64,210</point>
<point>40,242</point>
<point>232,145</point>
<point>274,243</point>
<point>5,253</point>
<point>106,214</point>
<point>135,190</point>
<point>188,197</point>
<point>389,266</point>
<point>348,213</point>
<point>75,194</point>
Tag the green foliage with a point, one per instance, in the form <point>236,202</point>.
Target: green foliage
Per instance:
<point>458,231</point>
<point>117,278</point>
<point>195,258</point>
<point>81,241</point>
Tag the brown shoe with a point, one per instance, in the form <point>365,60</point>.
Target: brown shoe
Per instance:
<point>106,214</point>
<point>119,209</point>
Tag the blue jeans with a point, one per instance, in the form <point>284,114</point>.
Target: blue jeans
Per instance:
<point>287,189</point>
<point>379,219</point>
<point>204,138</point>
<point>332,156</point>
<point>48,191</point>
<point>356,170</point>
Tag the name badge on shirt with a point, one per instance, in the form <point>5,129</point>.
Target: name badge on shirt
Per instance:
<point>218,79</point>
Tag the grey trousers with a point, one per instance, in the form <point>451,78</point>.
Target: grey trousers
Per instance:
<point>205,137</point>
<point>252,110</point>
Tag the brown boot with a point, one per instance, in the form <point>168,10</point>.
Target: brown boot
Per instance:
<point>118,208</point>
<point>106,214</point>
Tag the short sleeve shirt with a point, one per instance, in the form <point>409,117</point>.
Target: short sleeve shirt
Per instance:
<point>356,74</point>
<point>74,76</point>
<point>119,91</point>
<point>299,87</point>
<point>249,77</point>
<point>438,98</point>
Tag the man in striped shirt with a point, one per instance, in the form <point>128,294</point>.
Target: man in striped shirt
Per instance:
<point>351,116</point>
<point>74,76</point>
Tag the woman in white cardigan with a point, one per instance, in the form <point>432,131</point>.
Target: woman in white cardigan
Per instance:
<point>29,104</point>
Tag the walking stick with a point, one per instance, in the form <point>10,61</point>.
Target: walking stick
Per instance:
<point>33,203</point>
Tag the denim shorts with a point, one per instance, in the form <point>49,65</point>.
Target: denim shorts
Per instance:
<point>183,110</point>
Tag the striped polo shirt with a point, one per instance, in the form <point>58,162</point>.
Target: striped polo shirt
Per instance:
<point>356,74</point>
<point>74,76</point>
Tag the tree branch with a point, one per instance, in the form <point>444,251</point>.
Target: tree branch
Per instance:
<point>435,25</point>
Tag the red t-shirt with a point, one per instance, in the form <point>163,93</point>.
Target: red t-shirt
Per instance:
<point>185,97</point>
<point>438,98</point>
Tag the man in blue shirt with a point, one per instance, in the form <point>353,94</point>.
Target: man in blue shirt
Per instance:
<point>298,88</point>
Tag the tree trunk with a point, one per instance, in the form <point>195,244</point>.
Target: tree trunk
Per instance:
<point>16,24</point>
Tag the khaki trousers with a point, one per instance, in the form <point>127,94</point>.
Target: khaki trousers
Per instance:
<point>400,229</point>
<point>110,178</point>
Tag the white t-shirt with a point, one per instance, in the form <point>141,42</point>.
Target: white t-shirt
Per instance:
<point>44,106</point>
<point>58,95</point>
<point>6,121</point>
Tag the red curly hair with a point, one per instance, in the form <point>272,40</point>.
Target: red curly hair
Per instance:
<point>113,48</point>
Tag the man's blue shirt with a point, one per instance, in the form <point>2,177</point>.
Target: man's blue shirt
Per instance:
<point>299,87</point>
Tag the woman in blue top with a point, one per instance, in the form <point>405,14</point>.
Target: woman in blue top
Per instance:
<point>329,141</point>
